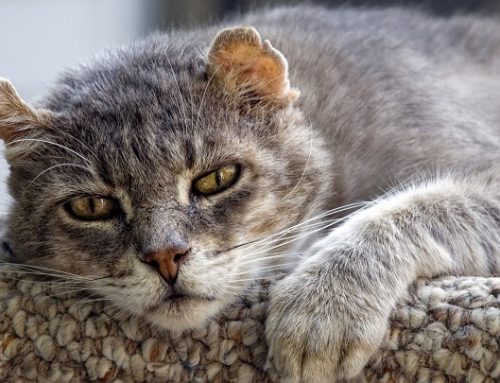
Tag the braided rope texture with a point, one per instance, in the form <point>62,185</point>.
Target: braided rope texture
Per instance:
<point>445,330</point>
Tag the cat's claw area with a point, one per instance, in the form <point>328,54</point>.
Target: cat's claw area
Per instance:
<point>312,341</point>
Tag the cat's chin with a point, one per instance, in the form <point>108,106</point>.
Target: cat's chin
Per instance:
<point>182,315</point>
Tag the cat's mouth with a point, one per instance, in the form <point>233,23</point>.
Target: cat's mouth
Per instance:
<point>181,310</point>
<point>177,297</point>
<point>180,297</point>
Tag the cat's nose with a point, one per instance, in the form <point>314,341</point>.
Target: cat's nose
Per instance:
<point>168,261</point>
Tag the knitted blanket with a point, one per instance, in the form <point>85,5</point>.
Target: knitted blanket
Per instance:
<point>445,330</point>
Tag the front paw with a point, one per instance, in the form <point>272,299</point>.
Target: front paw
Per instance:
<point>321,329</point>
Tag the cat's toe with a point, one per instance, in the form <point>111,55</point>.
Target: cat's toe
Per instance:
<point>314,340</point>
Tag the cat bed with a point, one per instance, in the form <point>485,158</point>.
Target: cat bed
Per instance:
<point>445,330</point>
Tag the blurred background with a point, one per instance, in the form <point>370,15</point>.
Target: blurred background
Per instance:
<point>39,38</point>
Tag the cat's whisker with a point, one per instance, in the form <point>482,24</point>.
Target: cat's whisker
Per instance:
<point>307,162</point>
<point>200,108</point>
<point>26,189</point>
<point>302,224</point>
<point>83,300</point>
<point>191,102</point>
<point>111,308</point>
<point>58,166</point>
<point>268,257</point>
<point>116,311</point>
<point>44,290</point>
<point>84,288</point>
<point>262,269</point>
<point>296,237</point>
<point>264,247</point>
<point>43,268</point>
<point>19,140</point>
<point>250,279</point>
<point>66,134</point>
<point>46,282</point>
<point>233,290</point>
<point>263,266</point>
<point>56,286</point>
<point>44,274</point>
<point>41,288</point>
<point>125,309</point>
<point>285,240</point>
<point>181,97</point>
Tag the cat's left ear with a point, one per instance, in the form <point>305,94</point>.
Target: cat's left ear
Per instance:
<point>16,116</point>
<point>249,67</point>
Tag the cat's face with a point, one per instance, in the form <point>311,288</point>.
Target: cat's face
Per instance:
<point>145,154</point>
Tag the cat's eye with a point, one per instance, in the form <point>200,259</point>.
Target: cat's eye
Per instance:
<point>217,181</point>
<point>92,208</point>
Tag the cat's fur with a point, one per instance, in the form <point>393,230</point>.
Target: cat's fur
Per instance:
<point>387,98</point>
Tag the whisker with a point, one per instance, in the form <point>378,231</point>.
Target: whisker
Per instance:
<point>181,97</point>
<point>307,162</point>
<point>285,240</point>
<point>250,279</point>
<point>266,258</point>
<point>44,274</point>
<point>52,168</point>
<point>269,268</point>
<point>50,282</point>
<point>204,94</point>
<point>299,225</point>
<point>30,266</point>
<point>58,166</point>
<point>50,143</point>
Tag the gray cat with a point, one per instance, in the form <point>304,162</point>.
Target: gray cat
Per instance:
<point>359,151</point>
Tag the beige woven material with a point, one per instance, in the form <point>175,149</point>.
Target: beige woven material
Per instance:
<point>446,330</point>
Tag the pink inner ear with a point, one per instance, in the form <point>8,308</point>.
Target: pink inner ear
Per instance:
<point>266,76</point>
<point>245,64</point>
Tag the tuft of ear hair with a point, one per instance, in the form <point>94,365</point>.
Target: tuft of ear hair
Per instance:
<point>16,116</point>
<point>248,67</point>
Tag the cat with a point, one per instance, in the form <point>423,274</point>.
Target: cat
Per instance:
<point>356,149</point>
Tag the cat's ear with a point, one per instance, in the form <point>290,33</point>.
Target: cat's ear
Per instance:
<point>16,116</point>
<point>247,66</point>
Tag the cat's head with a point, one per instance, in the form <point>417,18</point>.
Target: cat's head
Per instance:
<point>161,173</point>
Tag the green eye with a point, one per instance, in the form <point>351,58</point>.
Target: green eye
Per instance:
<point>92,208</point>
<point>218,180</point>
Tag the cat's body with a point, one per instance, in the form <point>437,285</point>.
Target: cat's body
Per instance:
<point>395,92</point>
<point>113,178</point>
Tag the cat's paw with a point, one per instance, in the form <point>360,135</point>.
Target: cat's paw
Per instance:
<point>319,330</point>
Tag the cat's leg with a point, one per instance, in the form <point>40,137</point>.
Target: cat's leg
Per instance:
<point>329,316</point>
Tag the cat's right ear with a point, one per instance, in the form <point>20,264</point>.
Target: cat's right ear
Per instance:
<point>17,118</point>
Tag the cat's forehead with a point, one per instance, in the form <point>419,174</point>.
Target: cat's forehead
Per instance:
<point>122,94</point>
<point>160,121</point>
<point>148,109</point>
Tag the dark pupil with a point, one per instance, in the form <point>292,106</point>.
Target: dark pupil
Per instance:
<point>92,205</point>
<point>218,178</point>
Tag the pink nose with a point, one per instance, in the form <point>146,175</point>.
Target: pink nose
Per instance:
<point>168,261</point>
